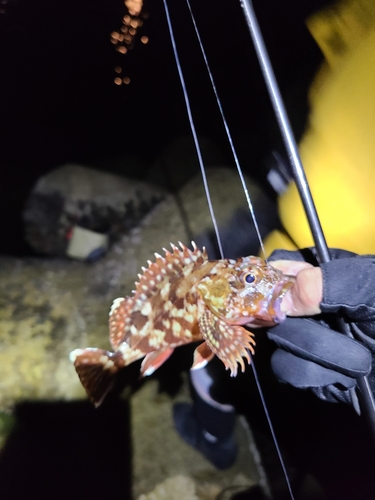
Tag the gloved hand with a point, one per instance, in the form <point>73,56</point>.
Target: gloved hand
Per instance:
<point>311,353</point>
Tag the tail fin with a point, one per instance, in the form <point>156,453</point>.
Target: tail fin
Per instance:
<point>96,369</point>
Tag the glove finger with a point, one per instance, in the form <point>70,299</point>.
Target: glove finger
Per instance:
<point>304,374</point>
<point>312,341</point>
<point>308,255</point>
<point>333,394</point>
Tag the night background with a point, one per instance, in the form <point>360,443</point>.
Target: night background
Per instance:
<point>59,103</point>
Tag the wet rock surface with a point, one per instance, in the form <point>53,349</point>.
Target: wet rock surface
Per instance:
<point>159,452</point>
<point>52,306</point>
<point>93,199</point>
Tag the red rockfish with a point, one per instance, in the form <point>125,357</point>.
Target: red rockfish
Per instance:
<point>183,297</point>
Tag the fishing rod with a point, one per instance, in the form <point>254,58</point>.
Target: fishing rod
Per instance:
<point>299,176</point>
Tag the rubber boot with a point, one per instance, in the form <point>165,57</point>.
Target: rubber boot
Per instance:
<point>209,429</point>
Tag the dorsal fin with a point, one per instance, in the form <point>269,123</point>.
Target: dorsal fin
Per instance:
<point>118,318</point>
<point>164,267</point>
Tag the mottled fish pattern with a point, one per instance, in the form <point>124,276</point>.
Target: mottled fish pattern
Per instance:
<point>180,298</point>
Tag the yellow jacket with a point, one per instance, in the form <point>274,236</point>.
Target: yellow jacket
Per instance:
<point>338,149</point>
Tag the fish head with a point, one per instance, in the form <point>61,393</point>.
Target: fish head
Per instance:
<point>246,291</point>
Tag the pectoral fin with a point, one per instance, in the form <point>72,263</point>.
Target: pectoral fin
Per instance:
<point>230,343</point>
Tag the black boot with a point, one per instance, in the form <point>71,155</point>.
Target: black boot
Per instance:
<point>210,430</point>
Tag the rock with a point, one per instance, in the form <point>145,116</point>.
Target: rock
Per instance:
<point>95,200</point>
<point>234,221</point>
<point>159,452</point>
<point>185,217</point>
<point>46,309</point>
<point>180,486</point>
<point>50,307</point>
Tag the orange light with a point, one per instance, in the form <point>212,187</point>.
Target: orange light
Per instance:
<point>134,6</point>
<point>127,34</point>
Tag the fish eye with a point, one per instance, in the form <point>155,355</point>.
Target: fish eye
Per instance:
<point>248,278</point>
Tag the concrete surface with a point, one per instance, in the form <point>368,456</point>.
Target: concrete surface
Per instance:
<point>163,463</point>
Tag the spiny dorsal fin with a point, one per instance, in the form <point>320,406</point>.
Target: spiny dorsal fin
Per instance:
<point>164,267</point>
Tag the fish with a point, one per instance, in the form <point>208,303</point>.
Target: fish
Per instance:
<point>184,297</point>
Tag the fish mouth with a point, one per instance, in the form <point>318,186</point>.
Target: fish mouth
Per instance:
<point>268,312</point>
<point>278,295</point>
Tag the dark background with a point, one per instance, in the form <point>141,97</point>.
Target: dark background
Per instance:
<point>59,103</point>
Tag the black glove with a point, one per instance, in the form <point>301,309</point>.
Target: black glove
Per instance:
<point>311,353</point>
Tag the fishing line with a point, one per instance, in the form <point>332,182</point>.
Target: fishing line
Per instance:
<point>193,129</point>
<point>278,451</point>
<point>229,136</point>
<point>196,142</point>
<point>251,208</point>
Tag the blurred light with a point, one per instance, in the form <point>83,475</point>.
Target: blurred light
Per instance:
<point>125,38</point>
<point>134,6</point>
